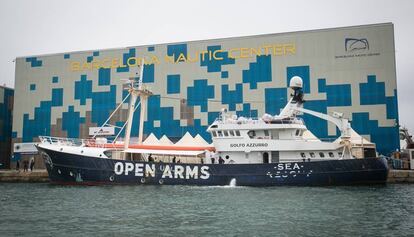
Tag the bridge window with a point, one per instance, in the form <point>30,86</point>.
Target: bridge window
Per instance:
<point>226,133</point>
<point>251,133</point>
<point>238,133</point>
<point>297,132</point>
<point>231,133</point>
<point>220,133</point>
<point>214,134</point>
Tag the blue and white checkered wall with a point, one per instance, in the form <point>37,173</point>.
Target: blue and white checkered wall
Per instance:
<point>54,99</point>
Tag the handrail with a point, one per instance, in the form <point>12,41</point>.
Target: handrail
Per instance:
<point>76,142</point>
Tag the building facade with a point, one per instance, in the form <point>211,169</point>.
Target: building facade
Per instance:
<point>6,118</point>
<point>349,70</point>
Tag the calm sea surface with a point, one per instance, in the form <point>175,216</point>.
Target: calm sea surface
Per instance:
<point>49,210</point>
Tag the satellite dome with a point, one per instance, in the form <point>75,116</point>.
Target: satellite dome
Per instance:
<point>296,82</point>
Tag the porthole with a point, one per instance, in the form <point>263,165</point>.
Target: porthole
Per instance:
<point>302,154</point>
<point>340,154</point>
<point>61,149</point>
<point>331,154</point>
<point>312,154</point>
<point>227,157</point>
<point>111,178</point>
<point>142,180</point>
<point>161,181</point>
<point>321,154</point>
<point>81,151</point>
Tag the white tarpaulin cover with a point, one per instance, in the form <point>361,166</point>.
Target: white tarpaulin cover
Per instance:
<point>186,140</point>
<point>164,152</point>
<point>151,140</point>
<point>165,141</point>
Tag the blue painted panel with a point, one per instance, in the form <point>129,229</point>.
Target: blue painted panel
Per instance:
<point>211,63</point>
<point>104,76</point>
<point>57,97</point>
<point>130,54</point>
<point>34,62</point>
<point>317,126</point>
<point>199,94</point>
<point>6,110</point>
<point>372,92</point>
<point>232,97</point>
<point>337,95</point>
<point>173,84</point>
<point>177,49</point>
<point>149,71</point>
<point>260,71</point>
<point>247,111</point>
<point>301,71</point>
<point>83,89</point>
<point>383,137</point>
<point>151,48</point>
<point>275,100</point>
<point>71,122</point>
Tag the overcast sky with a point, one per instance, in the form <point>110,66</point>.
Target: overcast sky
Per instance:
<point>52,26</point>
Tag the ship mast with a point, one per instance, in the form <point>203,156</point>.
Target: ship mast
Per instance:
<point>135,91</point>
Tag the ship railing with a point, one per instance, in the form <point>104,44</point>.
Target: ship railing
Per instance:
<point>253,120</point>
<point>71,141</point>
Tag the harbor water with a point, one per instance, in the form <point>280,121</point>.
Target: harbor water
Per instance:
<point>49,210</point>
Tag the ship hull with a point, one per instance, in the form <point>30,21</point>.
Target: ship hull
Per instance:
<point>66,168</point>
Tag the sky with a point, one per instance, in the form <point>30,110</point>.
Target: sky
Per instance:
<point>53,26</point>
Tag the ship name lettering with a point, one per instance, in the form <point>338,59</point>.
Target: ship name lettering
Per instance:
<point>288,166</point>
<point>169,171</point>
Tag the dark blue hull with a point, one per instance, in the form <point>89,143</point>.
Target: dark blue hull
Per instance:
<point>64,168</point>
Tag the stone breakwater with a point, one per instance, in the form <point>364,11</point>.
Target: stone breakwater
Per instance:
<point>36,176</point>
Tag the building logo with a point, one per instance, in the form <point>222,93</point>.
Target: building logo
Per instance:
<point>352,44</point>
<point>356,48</point>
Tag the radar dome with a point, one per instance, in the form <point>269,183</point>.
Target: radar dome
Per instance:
<point>296,82</point>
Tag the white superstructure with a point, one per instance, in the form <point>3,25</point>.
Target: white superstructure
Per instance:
<point>284,137</point>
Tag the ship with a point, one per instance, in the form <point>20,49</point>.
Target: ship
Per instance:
<point>274,150</point>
